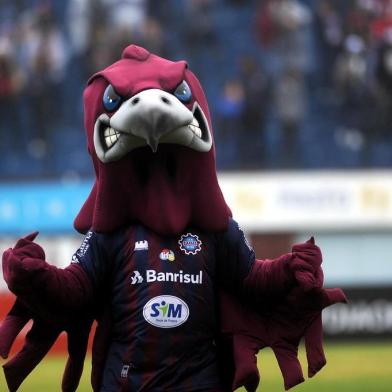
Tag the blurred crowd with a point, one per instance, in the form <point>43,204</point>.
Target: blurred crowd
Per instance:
<point>358,47</point>
<point>291,84</point>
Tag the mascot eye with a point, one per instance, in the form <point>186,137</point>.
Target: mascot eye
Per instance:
<point>111,100</point>
<point>183,92</point>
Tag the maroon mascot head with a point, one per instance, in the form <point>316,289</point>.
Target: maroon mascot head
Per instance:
<point>150,137</point>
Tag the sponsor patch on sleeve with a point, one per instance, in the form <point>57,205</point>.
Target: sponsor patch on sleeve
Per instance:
<point>83,248</point>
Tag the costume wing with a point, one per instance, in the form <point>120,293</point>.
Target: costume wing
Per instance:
<point>281,326</point>
<point>23,262</point>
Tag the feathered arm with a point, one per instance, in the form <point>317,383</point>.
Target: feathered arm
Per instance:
<point>54,299</point>
<point>284,299</point>
<point>45,288</point>
<point>301,267</point>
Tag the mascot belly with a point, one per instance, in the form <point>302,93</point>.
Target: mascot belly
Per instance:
<point>181,301</point>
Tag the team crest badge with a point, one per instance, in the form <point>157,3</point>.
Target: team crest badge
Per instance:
<point>190,244</point>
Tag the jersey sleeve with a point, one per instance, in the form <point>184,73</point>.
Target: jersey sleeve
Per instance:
<point>92,256</point>
<point>235,257</point>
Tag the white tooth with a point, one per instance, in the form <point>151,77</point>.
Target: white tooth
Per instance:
<point>108,142</point>
<point>195,130</point>
<point>195,122</point>
<point>111,136</point>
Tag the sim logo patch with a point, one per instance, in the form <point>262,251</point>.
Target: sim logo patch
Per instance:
<point>166,311</point>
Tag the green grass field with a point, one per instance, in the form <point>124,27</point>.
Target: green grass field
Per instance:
<point>365,367</point>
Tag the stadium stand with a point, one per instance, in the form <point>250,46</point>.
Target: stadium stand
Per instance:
<point>311,79</point>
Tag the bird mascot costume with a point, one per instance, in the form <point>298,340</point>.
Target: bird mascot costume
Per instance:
<point>181,302</point>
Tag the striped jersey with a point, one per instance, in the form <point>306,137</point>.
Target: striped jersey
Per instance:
<point>163,299</point>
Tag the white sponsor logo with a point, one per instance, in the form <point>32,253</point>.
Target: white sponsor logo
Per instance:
<point>136,278</point>
<point>166,311</point>
<point>124,371</point>
<point>167,254</point>
<point>83,248</point>
<point>141,245</point>
<point>180,277</point>
<point>177,277</point>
